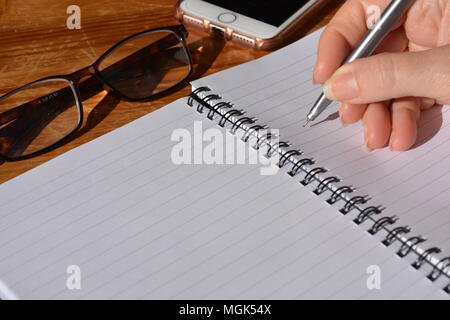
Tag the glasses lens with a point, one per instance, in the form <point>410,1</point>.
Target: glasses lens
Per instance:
<point>146,65</point>
<point>37,117</point>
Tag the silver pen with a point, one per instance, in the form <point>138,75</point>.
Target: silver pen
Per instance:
<point>395,10</point>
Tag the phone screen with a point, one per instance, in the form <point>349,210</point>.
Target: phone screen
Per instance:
<point>273,12</point>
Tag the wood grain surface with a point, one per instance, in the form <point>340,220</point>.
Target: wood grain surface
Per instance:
<point>35,42</point>
<point>2,5</point>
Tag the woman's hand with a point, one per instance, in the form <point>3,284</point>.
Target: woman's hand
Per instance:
<point>410,71</point>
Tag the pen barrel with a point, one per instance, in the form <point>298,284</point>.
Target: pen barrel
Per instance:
<point>391,15</point>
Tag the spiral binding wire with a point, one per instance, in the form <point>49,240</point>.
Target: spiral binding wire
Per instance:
<point>236,119</point>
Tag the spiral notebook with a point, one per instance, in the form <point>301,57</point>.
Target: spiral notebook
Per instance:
<point>117,219</point>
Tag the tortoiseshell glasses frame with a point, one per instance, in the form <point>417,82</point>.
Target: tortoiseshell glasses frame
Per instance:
<point>133,77</point>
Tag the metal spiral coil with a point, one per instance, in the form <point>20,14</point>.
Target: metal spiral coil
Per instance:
<point>241,121</point>
<point>218,106</point>
<point>406,248</point>
<point>285,158</point>
<point>227,115</point>
<point>195,95</point>
<point>299,164</point>
<point>380,223</point>
<point>324,184</point>
<point>274,148</point>
<point>235,117</point>
<point>311,175</point>
<point>392,235</point>
<point>352,203</point>
<point>263,139</point>
<point>338,193</point>
<point>419,262</point>
<point>437,272</point>
<point>253,129</point>
<point>366,213</point>
<point>205,100</point>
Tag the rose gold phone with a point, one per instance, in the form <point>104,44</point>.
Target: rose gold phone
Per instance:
<point>258,24</point>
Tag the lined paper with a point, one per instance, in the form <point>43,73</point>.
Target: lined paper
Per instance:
<point>414,185</point>
<point>140,227</point>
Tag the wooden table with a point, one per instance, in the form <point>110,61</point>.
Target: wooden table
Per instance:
<point>35,42</point>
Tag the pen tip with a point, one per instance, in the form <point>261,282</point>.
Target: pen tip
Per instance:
<point>306,123</point>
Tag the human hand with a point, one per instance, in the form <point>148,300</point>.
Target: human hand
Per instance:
<point>409,72</point>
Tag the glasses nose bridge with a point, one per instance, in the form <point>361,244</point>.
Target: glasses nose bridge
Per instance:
<point>85,72</point>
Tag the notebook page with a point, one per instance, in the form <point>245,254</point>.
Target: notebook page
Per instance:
<point>277,89</point>
<point>138,226</point>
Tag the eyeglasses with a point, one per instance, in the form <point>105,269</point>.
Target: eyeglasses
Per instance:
<point>38,115</point>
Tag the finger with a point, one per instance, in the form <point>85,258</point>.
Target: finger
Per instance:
<point>393,75</point>
<point>342,34</point>
<point>405,114</point>
<point>377,126</point>
<point>351,113</point>
<point>427,103</point>
<point>333,49</point>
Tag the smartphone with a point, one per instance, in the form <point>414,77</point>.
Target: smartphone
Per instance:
<point>258,24</point>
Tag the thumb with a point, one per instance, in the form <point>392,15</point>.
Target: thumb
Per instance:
<point>393,75</point>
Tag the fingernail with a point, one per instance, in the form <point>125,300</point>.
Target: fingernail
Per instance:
<point>341,86</point>
<point>391,142</point>
<point>366,139</point>
<point>368,149</point>
<point>343,123</point>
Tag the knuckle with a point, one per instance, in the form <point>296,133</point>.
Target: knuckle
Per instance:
<point>410,104</point>
<point>441,75</point>
<point>379,74</point>
<point>386,71</point>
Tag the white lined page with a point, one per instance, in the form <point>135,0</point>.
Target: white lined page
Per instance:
<point>140,227</point>
<point>277,89</point>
